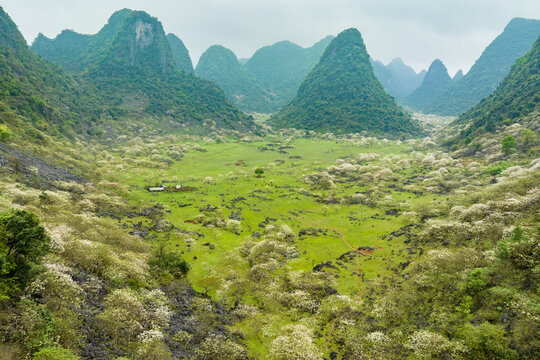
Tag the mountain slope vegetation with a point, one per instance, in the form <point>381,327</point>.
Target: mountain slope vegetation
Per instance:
<point>516,97</point>
<point>342,94</point>
<point>36,94</point>
<point>132,63</point>
<point>76,52</point>
<point>220,65</point>
<point>152,242</point>
<point>265,82</point>
<point>180,54</point>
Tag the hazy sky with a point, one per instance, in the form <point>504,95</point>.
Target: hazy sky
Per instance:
<point>418,31</point>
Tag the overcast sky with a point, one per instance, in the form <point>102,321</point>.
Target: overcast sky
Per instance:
<point>418,31</point>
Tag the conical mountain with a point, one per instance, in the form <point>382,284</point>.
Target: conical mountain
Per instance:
<point>281,68</point>
<point>516,97</point>
<point>435,83</point>
<point>220,65</point>
<point>140,47</point>
<point>341,94</point>
<point>489,70</point>
<point>180,54</point>
<point>458,75</point>
<point>76,52</point>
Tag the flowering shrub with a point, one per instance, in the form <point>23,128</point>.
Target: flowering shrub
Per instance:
<point>294,343</point>
<point>429,345</point>
<point>219,347</point>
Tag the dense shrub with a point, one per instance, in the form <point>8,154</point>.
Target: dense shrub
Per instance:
<point>23,243</point>
<point>163,260</point>
<point>55,353</point>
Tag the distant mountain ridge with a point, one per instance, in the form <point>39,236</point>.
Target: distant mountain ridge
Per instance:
<point>397,78</point>
<point>282,67</point>
<point>342,95</point>
<point>517,96</point>
<point>269,79</point>
<point>488,71</point>
<point>220,65</point>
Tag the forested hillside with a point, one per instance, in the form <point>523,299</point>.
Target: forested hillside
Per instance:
<point>341,94</point>
<point>221,66</point>
<point>180,54</point>
<point>489,70</point>
<point>38,95</point>
<point>517,96</point>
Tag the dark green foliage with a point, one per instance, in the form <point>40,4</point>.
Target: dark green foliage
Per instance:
<point>488,71</point>
<point>519,250</point>
<point>220,65</point>
<point>23,243</point>
<point>486,342</point>
<point>397,78</point>
<point>508,145</point>
<point>496,169</point>
<point>259,172</point>
<point>35,326</point>
<point>163,260</point>
<point>341,94</point>
<point>138,48</point>
<point>435,83</point>
<point>55,353</point>
<point>180,54</point>
<point>140,64</point>
<point>516,96</point>
<point>281,68</point>
<point>527,139</point>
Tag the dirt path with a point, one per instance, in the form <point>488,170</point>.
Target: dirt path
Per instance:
<point>357,261</point>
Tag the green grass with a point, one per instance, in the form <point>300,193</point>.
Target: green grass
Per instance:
<point>278,199</point>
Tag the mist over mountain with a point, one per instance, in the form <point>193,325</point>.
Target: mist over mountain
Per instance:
<point>434,84</point>
<point>397,78</point>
